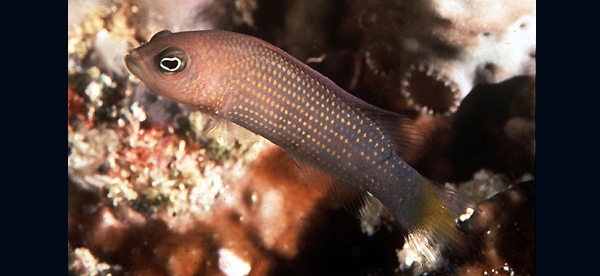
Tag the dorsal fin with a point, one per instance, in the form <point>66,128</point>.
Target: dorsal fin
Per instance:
<point>405,137</point>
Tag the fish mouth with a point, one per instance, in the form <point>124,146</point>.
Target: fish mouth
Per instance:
<point>134,63</point>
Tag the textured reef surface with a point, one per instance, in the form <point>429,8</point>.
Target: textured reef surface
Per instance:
<point>156,188</point>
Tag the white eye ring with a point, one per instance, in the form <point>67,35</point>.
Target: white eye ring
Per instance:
<point>169,60</point>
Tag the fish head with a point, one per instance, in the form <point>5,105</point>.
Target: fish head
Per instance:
<point>183,67</point>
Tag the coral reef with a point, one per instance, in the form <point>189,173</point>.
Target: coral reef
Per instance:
<point>471,42</point>
<point>154,188</point>
<point>505,227</point>
<point>462,42</point>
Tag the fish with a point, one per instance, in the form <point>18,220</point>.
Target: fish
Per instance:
<point>332,136</point>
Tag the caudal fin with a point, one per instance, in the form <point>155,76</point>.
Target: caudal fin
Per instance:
<point>436,230</point>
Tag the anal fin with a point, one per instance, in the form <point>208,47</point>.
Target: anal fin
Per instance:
<point>347,195</point>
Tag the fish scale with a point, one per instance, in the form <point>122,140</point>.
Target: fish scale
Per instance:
<point>331,135</point>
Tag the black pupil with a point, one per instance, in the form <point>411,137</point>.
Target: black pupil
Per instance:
<point>171,64</point>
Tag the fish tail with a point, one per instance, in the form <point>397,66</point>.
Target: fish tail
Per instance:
<point>435,228</point>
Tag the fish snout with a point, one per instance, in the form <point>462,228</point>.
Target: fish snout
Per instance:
<point>133,61</point>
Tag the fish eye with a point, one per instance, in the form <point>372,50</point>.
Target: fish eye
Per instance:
<point>172,61</point>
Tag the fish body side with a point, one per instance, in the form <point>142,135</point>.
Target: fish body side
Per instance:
<point>317,122</point>
<point>324,129</point>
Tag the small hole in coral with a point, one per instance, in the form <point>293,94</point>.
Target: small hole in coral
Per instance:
<point>250,198</point>
<point>490,67</point>
<point>102,169</point>
<point>235,216</point>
